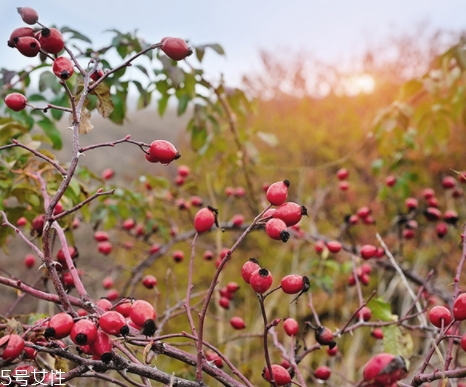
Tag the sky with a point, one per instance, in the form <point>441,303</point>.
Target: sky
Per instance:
<point>329,29</point>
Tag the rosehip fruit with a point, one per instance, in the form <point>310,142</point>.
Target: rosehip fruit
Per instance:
<point>108,173</point>
<point>224,302</point>
<point>18,33</point>
<point>324,336</point>
<point>237,220</point>
<point>113,323</point>
<point>365,313</point>
<point>363,212</point>
<point>343,185</point>
<point>101,236</point>
<point>143,314</point>
<point>63,68</point>
<point>104,247</point>
<point>280,375</point>
<point>51,40</point>
<point>176,48</point>
<point>450,216</point>
<point>59,326</point>
<point>248,268</point>
<point>441,229</point>
<point>261,280</point>
<point>102,347</point>
<point>28,14</point>
<point>440,316</point>
<point>28,46</point>
<point>104,304</point>
<point>291,213</point>
<point>16,101</point>
<point>333,246</point>
<point>178,255</point>
<point>342,174</point>
<point>149,281</point>
<point>368,251</point>
<point>294,283</point>
<point>384,369</point>
<point>390,181</point>
<point>459,307</point>
<point>411,204</point>
<point>11,347</point>
<point>237,323</point>
<point>183,170</point>
<point>276,229</point>
<point>278,192</point>
<point>291,326</point>
<point>322,372</point>
<point>448,182</point>
<point>164,151</point>
<point>432,213</point>
<point>204,219</point>
<point>83,332</point>
<point>377,333</point>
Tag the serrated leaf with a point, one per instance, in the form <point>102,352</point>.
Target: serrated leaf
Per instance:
<point>104,100</point>
<point>381,310</point>
<point>51,132</point>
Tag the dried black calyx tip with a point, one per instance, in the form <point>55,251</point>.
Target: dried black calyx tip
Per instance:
<point>307,284</point>
<point>451,220</point>
<point>263,272</point>
<point>254,260</point>
<point>81,339</point>
<point>64,75</point>
<point>177,156</point>
<point>49,332</point>
<point>286,182</point>
<point>324,336</point>
<point>304,211</point>
<point>149,328</point>
<point>189,52</point>
<point>124,330</point>
<point>107,357</point>
<point>215,212</point>
<point>45,32</point>
<point>284,236</point>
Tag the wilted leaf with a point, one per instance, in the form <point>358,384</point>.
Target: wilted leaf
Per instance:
<point>104,100</point>
<point>85,125</point>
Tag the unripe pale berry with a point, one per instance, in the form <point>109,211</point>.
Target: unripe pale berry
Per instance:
<point>28,14</point>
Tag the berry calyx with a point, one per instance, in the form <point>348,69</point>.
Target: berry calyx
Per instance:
<point>60,326</point>
<point>16,101</point>
<point>204,219</point>
<point>280,375</point>
<point>276,229</point>
<point>27,45</point>
<point>291,326</point>
<point>28,14</point>
<point>143,314</point>
<point>237,323</point>
<point>278,192</point>
<point>261,280</point>
<point>163,151</point>
<point>51,40</point>
<point>83,332</point>
<point>248,268</point>
<point>63,68</point>
<point>176,48</point>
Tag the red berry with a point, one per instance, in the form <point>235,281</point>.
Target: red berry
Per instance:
<point>322,373</point>
<point>108,173</point>
<point>102,347</point>
<point>342,174</point>
<point>291,326</point>
<point>163,151</point>
<point>101,236</point>
<point>343,186</point>
<point>291,213</point>
<point>324,336</point>
<point>319,246</point>
<point>232,287</point>
<point>363,212</point>
<point>239,192</point>
<point>18,33</point>
<point>63,68</point>
<point>334,246</point>
<point>143,314</point>
<point>59,326</point>
<point>124,308</point>
<point>179,180</point>
<point>261,280</point>
<point>450,216</point>
<point>112,294</point>
<point>104,304</point>
<point>22,221</point>
<point>29,260</point>
<point>196,201</point>
<point>16,101</point>
<point>459,307</point>
<point>294,283</point>
<point>463,344</point>
<point>428,193</point>
<point>208,255</point>
<point>183,170</point>
<point>224,302</point>
<point>365,313</point>
<point>248,268</point>
<point>104,247</point>
<point>237,220</point>
<point>440,316</point>
<point>353,219</point>
<point>11,347</point>
<point>28,46</point>
<point>113,323</point>
<point>96,75</point>
<point>237,323</point>
<point>278,192</point>
<point>332,351</point>
<point>441,229</point>
<point>51,40</point>
<point>213,357</point>
<point>390,181</point>
<point>229,191</point>
<point>151,158</point>
<point>176,48</point>
<point>432,214</point>
<point>384,369</point>
<point>411,203</point>
<point>178,255</point>
<point>368,251</point>
<point>377,333</point>
<point>448,182</point>
<point>29,15</point>
<point>276,229</point>
<point>83,332</point>
<point>128,224</point>
<point>61,254</point>
<point>408,233</point>
<point>149,281</point>
<point>280,375</point>
<point>205,218</point>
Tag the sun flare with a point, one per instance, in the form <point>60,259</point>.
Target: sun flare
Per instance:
<point>357,84</point>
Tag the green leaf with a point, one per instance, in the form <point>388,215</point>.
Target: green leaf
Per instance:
<point>75,34</point>
<point>47,80</point>
<point>200,51</point>
<point>183,101</point>
<point>411,88</point>
<point>397,342</point>
<point>142,69</point>
<point>217,48</point>
<point>381,310</point>
<point>52,132</point>
<point>162,105</point>
<point>119,112</point>
<point>198,138</point>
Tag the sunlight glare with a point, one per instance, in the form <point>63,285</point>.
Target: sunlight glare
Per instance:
<point>357,84</point>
